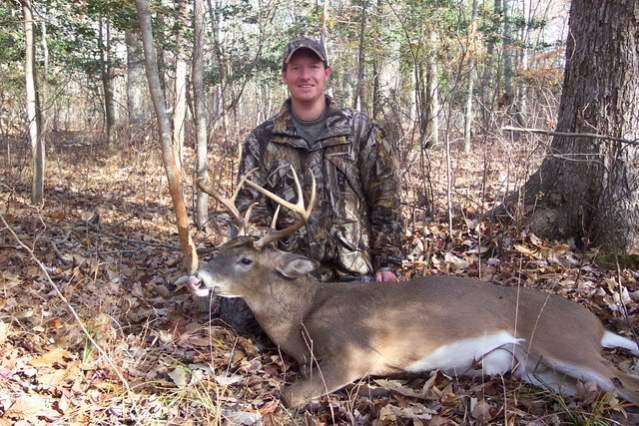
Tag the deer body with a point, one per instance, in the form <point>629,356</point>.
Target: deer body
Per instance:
<point>340,332</point>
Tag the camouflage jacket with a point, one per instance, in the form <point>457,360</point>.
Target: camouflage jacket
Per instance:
<point>356,227</point>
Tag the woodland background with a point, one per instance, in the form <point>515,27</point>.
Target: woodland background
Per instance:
<point>92,329</point>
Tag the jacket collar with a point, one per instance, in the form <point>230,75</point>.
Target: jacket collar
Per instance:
<point>337,123</point>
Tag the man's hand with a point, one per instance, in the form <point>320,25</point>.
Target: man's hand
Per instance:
<point>385,276</point>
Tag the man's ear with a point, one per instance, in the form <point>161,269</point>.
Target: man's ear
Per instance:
<point>327,71</point>
<point>294,265</point>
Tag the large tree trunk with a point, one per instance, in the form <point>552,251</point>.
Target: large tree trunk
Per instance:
<point>173,174</point>
<point>137,93</point>
<point>588,188</point>
<point>33,108</point>
<point>200,112</point>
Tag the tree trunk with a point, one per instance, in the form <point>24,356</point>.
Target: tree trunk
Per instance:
<point>522,90</point>
<point>433,93</point>
<point>488,96</point>
<point>468,113</point>
<point>179,105</point>
<point>323,30</point>
<point>137,93</point>
<point>421,102</point>
<point>168,154</point>
<point>104,44</point>
<point>507,54</point>
<point>200,112</point>
<point>357,96</point>
<point>216,22</point>
<point>34,117</point>
<point>588,188</point>
<point>159,16</point>
<point>43,92</point>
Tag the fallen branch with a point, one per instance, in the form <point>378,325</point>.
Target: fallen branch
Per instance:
<point>568,134</point>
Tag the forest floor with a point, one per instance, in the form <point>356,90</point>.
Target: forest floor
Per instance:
<point>104,248</point>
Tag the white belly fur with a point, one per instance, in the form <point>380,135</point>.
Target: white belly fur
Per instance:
<point>494,350</point>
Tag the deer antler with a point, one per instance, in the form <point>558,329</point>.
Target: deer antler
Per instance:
<point>298,208</point>
<point>242,222</point>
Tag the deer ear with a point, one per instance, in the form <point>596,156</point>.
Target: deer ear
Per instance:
<point>295,266</point>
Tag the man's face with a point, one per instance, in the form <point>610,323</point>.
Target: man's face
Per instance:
<point>305,76</point>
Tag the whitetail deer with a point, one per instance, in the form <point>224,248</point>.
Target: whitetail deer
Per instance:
<point>340,332</point>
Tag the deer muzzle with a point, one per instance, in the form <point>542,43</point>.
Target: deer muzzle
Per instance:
<point>197,286</point>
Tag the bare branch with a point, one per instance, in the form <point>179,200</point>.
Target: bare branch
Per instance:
<point>568,134</point>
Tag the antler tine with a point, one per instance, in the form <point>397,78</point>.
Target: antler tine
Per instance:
<point>298,208</point>
<point>275,216</point>
<point>230,203</point>
<point>242,180</point>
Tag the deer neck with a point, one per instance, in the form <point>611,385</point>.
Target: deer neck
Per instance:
<point>280,306</point>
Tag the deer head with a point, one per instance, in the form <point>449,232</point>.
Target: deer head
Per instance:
<point>245,261</point>
<point>240,268</point>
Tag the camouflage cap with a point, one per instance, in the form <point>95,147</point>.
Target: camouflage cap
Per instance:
<point>312,44</point>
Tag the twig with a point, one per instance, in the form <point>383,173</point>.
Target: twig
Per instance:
<point>308,341</point>
<point>66,302</point>
<point>624,309</point>
<point>568,134</point>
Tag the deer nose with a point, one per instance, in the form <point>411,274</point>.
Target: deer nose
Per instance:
<point>194,281</point>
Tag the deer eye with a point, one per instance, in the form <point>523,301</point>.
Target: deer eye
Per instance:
<point>246,261</point>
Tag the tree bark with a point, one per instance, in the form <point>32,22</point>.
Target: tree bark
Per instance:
<point>200,112</point>
<point>168,154</point>
<point>323,30</point>
<point>357,96</point>
<point>588,188</point>
<point>507,44</point>
<point>216,23</point>
<point>34,117</point>
<point>487,81</point>
<point>137,92</point>
<point>104,44</point>
<point>181,66</point>
<point>468,113</point>
<point>433,92</point>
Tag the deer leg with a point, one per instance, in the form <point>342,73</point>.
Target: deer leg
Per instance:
<point>327,378</point>
<point>561,374</point>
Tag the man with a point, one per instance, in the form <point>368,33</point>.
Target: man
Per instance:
<point>355,229</point>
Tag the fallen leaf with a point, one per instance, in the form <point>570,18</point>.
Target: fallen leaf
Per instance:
<point>4,332</point>
<point>481,410</point>
<point>55,355</point>
<point>412,411</point>
<point>455,263</point>
<point>241,417</point>
<point>525,250</point>
<point>397,386</point>
<point>180,376</point>
<point>269,408</point>
<point>30,407</point>
<point>225,380</point>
